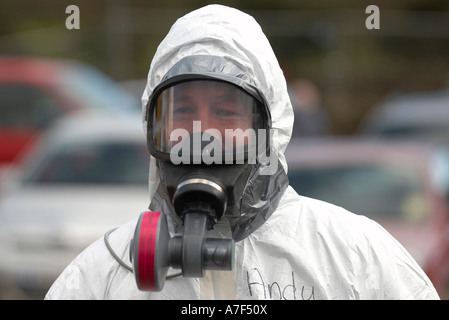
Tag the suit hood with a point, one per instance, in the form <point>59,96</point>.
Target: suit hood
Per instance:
<point>227,44</point>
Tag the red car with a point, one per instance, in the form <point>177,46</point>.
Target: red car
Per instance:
<point>403,186</point>
<point>34,92</point>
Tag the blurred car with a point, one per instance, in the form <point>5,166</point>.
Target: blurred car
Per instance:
<point>403,186</point>
<point>34,92</point>
<point>88,175</point>
<point>418,115</point>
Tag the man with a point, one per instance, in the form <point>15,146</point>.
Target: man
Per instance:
<point>216,71</point>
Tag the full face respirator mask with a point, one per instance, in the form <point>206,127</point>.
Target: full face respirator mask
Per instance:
<point>206,134</point>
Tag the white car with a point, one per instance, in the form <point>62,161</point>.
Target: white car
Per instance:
<point>87,176</point>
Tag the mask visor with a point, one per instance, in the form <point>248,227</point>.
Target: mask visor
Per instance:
<point>214,120</point>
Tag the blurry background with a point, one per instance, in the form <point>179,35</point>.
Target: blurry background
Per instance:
<point>325,42</point>
<point>343,79</point>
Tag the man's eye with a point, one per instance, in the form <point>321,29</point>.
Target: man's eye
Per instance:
<point>183,111</point>
<point>225,113</point>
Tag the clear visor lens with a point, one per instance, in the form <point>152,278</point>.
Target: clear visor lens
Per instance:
<point>213,108</point>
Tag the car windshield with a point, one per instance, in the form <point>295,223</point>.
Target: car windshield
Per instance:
<point>112,163</point>
<point>432,130</point>
<point>23,106</point>
<point>375,191</point>
<point>96,90</point>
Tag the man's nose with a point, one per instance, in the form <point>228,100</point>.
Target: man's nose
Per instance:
<point>204,118</point>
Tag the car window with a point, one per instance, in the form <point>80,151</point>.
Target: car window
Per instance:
<point>421,130</point>
<point>375,191</point>
<point>23,106</point>
<point>439,170</point>
<point>113,163</point>
<point>95,90</point>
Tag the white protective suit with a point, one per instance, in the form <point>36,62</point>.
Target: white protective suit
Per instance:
<point>306,249</point>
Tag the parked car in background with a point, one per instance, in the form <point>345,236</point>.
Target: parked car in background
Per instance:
<point>87,175</point>
<point>417,115</point>
<point>401,185</point>
<point>34,92</point>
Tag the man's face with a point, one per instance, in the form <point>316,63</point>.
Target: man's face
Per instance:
<point>217,107</point>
